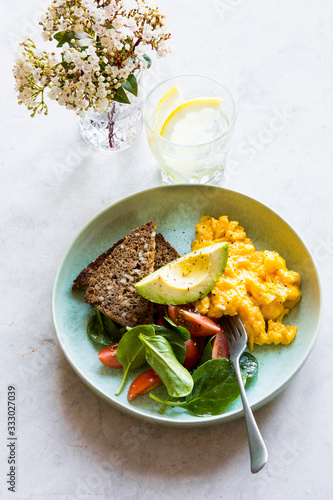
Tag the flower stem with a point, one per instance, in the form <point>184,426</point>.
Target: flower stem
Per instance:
<point>111,125</point>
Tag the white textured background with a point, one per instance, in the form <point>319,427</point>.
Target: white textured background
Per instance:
<point>277,58</point>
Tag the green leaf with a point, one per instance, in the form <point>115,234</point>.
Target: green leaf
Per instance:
<point>64,64</point>
<point>215,386</point>
<point>131,85</point>
<point>248,365</point>
<point>111,329</point>
<point>121,96</point>
<point>64,36</point>
<point>161,358</point>
<point>147,59</point>
<point>183,332</point>
<point>131,354</point>
<point>207,353</point>
<point>102,329</point>
<point>96,329</point>
<point>174,339</point>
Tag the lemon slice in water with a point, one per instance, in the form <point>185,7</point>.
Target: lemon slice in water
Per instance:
<point>193,122</point>
<point>168,102</point>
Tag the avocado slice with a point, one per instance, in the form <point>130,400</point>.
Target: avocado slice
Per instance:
<point>186,279</point>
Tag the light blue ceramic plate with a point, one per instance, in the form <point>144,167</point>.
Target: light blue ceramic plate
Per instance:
<point>176,210</point>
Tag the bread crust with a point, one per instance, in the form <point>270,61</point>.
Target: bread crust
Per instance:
<point>112,289</point>
<point>110,277</point>
<point>84,277</point>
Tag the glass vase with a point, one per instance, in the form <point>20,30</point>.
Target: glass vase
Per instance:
<point>116,129</point>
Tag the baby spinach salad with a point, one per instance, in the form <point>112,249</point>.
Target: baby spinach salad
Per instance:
<point>166,353</point>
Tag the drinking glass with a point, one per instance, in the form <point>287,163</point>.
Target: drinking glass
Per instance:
<point>198,163</point>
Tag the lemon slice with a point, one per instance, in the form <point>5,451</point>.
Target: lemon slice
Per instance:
<point>194,122</point>
<point>168,102</point>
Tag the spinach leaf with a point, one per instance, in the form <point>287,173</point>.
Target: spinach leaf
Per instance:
<point>215,386</point>
<point>207,353</point>
<point>248,365</point>
<point>130,351</point>
<point>174,339</point>
<point>160,357</point>
<point>101,329</point>
<point>95,329</point>
<point>183,332</point>
<point>111,329</point>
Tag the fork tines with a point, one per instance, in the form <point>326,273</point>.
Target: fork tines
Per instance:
<point>234,327</point>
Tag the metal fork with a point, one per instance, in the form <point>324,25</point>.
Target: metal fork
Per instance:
<point>237,339</point>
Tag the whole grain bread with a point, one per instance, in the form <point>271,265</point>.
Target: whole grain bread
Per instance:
<point>164,252</point>
<point>83,278</point>
<point>112,290</point>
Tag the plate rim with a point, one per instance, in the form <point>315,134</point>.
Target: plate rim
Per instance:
<point>206,420</point>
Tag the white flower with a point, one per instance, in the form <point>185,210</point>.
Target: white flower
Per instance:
<point>118,44</point>
<point>52,60</point>
<point>100,30</point>
<point>123,73</point>
<point>129,65</point>
<point>143,65</point>
<point>92,73</point>
<point>147,33</point>
<point>119,22</point>
<point>80,64</point>
<point>48,24</point>
<point>108,11</point>
<point>86,77</point>
<point>67,56</point>
<point>63,26</point>
<point>78,11</point>
<point>91,50</point>
<point>139,50</point>
<point>131,25</point>
<point>164,49</point>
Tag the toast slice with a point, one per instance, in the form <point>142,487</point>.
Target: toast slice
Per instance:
<point>83,278</point>
<point>164,253</point>
<point>112,290</point>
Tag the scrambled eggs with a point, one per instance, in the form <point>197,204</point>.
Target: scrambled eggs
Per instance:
<point>256,285</point>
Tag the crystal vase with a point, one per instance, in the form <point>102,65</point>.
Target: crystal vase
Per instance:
<point>116,129</point>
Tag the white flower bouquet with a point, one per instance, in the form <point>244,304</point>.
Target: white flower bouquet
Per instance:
<point>102,47</point>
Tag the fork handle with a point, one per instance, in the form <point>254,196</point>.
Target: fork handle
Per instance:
<point>258,450</point>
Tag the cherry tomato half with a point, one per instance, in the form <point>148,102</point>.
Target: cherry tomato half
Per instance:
<point>108,356</point>
<point>159,308</point>
<point>145,382</point>
<point>197,324</point>
<point>192,353</point>
<point>161,322</point>
<point>220,347</point>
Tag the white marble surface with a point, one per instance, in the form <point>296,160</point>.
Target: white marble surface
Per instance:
<point>276,57</point>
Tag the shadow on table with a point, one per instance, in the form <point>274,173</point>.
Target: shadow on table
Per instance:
<point>112,440</point>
